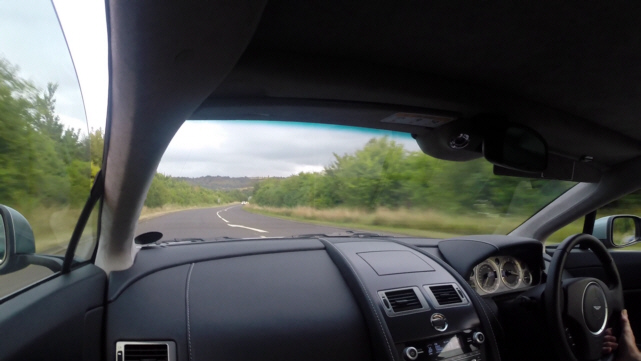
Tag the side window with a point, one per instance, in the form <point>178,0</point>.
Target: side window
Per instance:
<point>572,228</point>
<point>45,159</point>
<point>630,204</point>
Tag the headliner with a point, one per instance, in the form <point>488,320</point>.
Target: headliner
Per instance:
<point>571,73</point>
<point>550,65</point>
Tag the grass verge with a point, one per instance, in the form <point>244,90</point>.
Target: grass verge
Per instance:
<point>412,222</point>
<point>53,226</point>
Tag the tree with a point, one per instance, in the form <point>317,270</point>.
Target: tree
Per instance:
<point>41,162</point>
<point>372,176</point>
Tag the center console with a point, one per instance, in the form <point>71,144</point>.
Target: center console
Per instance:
<point>463,346</point>
<point>427,314</point>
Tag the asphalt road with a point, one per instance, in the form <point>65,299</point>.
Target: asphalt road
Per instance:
<point>229,221</point>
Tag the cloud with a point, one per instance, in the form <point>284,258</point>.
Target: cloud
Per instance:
<point>84,23</point>
<point>31,38</point>
<point>246,148</point>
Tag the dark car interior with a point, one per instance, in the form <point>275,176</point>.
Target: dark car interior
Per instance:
<point>567,72</point>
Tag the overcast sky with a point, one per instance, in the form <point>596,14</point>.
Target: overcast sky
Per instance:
<point>235,149</point>
<point>30,40</point>
<point>199,148</point>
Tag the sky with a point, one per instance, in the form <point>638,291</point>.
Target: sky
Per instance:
<point>253,149</point>
<point>199,148</point>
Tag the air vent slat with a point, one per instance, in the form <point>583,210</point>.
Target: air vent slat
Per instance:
<point>403,300</point>
<point>446,295</point>
<point>153,352</point>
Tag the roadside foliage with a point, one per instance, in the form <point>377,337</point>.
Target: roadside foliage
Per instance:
<point>45,168</point>
<point>167,190</point>
<point>384,174</point>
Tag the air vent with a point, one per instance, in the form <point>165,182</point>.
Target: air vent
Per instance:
<point>446,295</point>
<point>145,351</point>
<point>403,300</point>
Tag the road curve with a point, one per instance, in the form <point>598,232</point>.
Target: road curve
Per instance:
<point>228,221</point>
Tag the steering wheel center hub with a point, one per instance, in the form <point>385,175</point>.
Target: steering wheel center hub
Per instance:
<point>595,308</point>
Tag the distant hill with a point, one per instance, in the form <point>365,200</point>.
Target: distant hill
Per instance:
<point>222,183</point>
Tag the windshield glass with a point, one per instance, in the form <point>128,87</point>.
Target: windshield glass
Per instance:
<point>251,179</point>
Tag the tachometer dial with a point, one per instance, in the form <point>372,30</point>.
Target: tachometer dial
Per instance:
<point>487,276</point>
<point>471,282</point>
<point>511,273</point>
<point>527,277</point>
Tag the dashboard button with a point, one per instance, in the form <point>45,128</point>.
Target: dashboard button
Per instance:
<point>478,337</point>
<point>410,353</point>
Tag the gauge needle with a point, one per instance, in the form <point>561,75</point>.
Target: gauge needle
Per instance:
<point>487,279</point>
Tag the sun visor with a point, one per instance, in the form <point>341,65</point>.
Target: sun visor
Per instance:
<point>559,168</point>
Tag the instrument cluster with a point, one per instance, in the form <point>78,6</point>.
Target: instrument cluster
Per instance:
<point>500,274</point>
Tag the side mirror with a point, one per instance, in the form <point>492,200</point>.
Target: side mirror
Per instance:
<point>618,230</point>
<point>16,240</point>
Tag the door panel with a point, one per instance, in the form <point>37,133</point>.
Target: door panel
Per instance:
<point>60,319</point>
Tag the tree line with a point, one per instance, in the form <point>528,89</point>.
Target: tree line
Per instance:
<point>383,174</point>
<point>44,164</point>
<point>169,190</point>
<point>41,162</point>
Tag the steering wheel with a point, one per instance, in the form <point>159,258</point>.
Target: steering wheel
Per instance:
<point>579,310</point>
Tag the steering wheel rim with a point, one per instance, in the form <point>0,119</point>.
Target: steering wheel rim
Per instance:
<point>598,302</point>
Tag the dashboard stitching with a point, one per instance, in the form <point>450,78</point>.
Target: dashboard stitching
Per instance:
<point>389,348</point>
<point>139,274</point>
<point>474,240</point>
<point>188,318</point>
<point>483,306</point>
<point>494,315</point>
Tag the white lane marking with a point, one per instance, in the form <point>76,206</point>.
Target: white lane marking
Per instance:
<point>237,225</point>
<point>219,216</point>
<point>253,229</point>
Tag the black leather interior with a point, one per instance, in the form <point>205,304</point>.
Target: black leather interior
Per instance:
<point>60,319</point>
<point>312,299</point>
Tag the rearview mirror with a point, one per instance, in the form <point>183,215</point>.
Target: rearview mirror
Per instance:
<point>17,239</point>
<point>516,147</point>
<point>618,230</point>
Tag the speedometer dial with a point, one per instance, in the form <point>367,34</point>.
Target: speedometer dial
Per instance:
<point>511,273</point>
<point>487,276</point>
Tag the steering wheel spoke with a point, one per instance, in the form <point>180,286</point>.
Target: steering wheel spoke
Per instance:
<point>586,314</point>
<point>579,310</point>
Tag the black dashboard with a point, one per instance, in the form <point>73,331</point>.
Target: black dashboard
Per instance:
<point>323,298</point>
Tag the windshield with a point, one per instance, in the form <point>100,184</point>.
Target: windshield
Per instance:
<point>251,179</point>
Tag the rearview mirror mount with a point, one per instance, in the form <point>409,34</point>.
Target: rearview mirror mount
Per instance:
<point>516,147</point>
